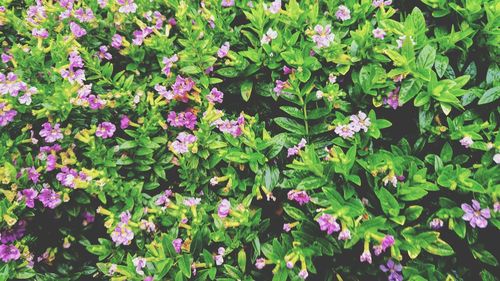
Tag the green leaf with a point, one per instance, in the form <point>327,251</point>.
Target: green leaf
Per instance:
<point>290,125</point>
<point>242,260</point>
<point>185,265</point>
<point>246,89</point>
<point>441,64</point>
<point>439,248</point>
<point>413,212</point>
<point>491,95</point>
<point>426,57</point>
<point>389,204</point>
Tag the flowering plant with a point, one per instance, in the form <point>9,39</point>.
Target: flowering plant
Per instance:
<point>242,140</point>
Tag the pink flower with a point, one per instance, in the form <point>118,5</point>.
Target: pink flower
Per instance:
<point>287,227</point>
<point>269,36</point>
<point>378,33</point>
<point>300,196</point>
<point>366,256</point>
<point>380,3</point>
<point>51,134</point>
<point>345,235</point>
<point>177,243</point>
<point>343,13</point>
<point>40,33</point>
<point>122,234</point>
<point>103,53</point>
<point>49,198</point>
<point>275,7</point>
<point>475,215</point>
<point>127,6</point>
<point>124,122</point>
<point>29,195</point>
<point>116,41</point>
<point>328,223</point>
<point>496,158</point>
<point>360,122</point>
<point>77,30</point>
<point>223,50</point>
<point>260,263</point>
<point>224,208</point>
<point>105,130</point>
<point>139,264</point>
<point>466,141</point>
<point>393,99</point>
<point>180,146</point>
<point>323,37</point>
<point>280,86</point>
<point>345,131</point>
<point>215,96</point>
<point>169,62</point>
<point>227,3</point>
<point>303,274</point>
<point>191,201</point>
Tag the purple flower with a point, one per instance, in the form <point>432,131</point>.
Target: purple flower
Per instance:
<point>186,119</point>
<point>148,278</point>
<point>169,62</point>
<point>378,33</point>
<point>139,264</point>
<point>191,201</point>
<point>260,263</point>
<point>227,3</point>
<point>393,99</point>
<point>84,15</point>
<point>122,234</point>
<point>275,7</point>
<point>49,198</point>
<point>323,37</point>
<point>9,252</point>
<point>223,50</point>
<point>224,208</point>
<point>475,215</point>
<point>180,146</point>
<point>69,177</point>
<point>380,3</point>
<point>466,141</point>
<point>14,233</point>
<point>127,6</point>
<point>105,130</point>
<point>436,224</point>
<point>124,122</point>
<point>366,256</point>
<point>287,227</point>
<point>215,96</point>
<point>163,199</point>
<point>116,41</point>
<point>6,57</point>
<point>280,86</point>
<point>41,33</point>
<point>300,197</point>
<point>287,70</point>
<point>387,242</point>
<point>182,87</point>
<point>177,244</point>
<point>343,13</point>
<point>345,131</point>
<point>29,195</point>
<point>345,235</point>
<point>328,223</point>
<point>51,134</point>
<point>496,207</point>
<point>303,274</point>
<point>103,53</point>
<point>393,270</point>
<point>88,217</point>
<point>6,114</point>
<point>77,30</point>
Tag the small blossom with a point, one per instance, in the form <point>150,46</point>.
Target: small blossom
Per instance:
<point>122,234</point>
<point>215,96</point>
<point>343,13</point>
<point>124,122</point>
<point>300,196</point>
<point>323,37</point>
<point>180,146</point>
<point>287,227</point>
<point>9,253</point>
<point>127,6</point>
<point>475,215</point>
<point>393,99</point>
<point>41,33</point>
<point>274,8</point>
<point>49,198</point>
<point>303,274</point>
<point>379,33</point>
<point>496,207</point>
<point>387,242</point>
<point>401,40</point>
<point>496,158</point>
<point>116,41</point>
<point>105,130</point>
<point>77,30</point>
<point>139,264</point>
<point>112,269</point>
<point>177,244</point>
<point>269,36</point>
<point>366,256</point>
<point>380,3</point>
<point>227,3</point>
<point>223,50</point>
<point>393,270</point>
<point>360,122</point>
<point>328,223</point>
<point>345,131</point>
<point>260,263</point>
<point>103,53</point>
<point>345,235</point>
<point>168,63</point>
<point>51,134</point>
<point>29,195</point>
<point>466,141</point>
<point>191,201</point>
<point>436,224</point>
<point>224,208</point>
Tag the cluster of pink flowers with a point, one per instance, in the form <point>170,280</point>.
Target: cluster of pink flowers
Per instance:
<point>386,243</point>
<point>86,98</point>
<point>11,85</point>
<point>48,197</point>
<point>68,177</point>
<point>299,196</point>
<point>183,119</point>
<point>328,223</point>
<point>181,144</point>
<point>224,208</point>
<point>51,134</point>
<point>359,122</point>
<point>280,87</point>
<point>343,13</point>
<point>296,148</point>
<point>123,234</point>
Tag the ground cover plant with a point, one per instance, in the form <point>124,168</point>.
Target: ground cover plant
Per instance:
<point>249,140</point>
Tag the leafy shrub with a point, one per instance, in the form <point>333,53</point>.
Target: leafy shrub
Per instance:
<point>242,140</point>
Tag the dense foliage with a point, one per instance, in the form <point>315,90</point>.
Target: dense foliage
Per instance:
<point>243,140</point>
